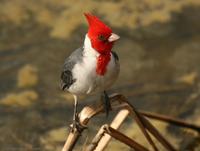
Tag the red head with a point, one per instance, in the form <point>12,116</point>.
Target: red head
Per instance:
<point>100,35</point>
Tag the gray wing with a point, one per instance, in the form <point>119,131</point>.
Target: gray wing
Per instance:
<point>67,78</point>
<point>115,55</point>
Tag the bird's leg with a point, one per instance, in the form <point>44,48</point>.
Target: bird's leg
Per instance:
<point>76,125</point>
<point>75,115</point>
<point>75,107</point>
<point>106,102</point>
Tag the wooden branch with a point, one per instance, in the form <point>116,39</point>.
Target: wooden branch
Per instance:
<point>139,122</point>
<point>92,146</point>
<point>124,139</point>
<point>142,127</point>
<point>171,120</point>
<point>116,123</point>
<point>115,134</point>
<point>157,134</point>
<point>102,138</point>
<point>84,116</point>
<point>151,128</point>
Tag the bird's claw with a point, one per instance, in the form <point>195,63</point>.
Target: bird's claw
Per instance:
<point>106,102</point>
<point>76,125</point>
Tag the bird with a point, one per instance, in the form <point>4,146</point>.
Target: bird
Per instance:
<point>92,68</point>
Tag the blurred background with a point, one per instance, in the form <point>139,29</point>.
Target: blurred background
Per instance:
<point>159,52</point>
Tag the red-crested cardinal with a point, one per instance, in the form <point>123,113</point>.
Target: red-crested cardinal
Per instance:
<point>92,68</point>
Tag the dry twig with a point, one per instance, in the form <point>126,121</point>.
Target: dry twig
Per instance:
<point>116,123</point>
<point>171,120</point>
<point>119,102</point>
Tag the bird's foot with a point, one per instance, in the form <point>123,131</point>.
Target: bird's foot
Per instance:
<point>76,125</point>
<point>106,102</point>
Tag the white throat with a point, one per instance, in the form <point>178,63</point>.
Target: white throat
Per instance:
<point>88,50</point>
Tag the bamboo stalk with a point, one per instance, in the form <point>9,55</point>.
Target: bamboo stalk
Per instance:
<point>119,102</point>
<point>71,141</point>
<point>84,116</point>
<point>116,123</point>
<point>96,139</point>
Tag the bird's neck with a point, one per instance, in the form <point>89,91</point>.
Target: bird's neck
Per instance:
<point>102,59</point>
<point>88,50</point>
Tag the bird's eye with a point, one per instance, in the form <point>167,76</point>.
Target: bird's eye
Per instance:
<point>102,38</point>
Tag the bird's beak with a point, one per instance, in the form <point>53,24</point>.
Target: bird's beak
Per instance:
<point>113,37</point>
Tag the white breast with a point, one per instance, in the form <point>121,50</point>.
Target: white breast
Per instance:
<point>87,81</point>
